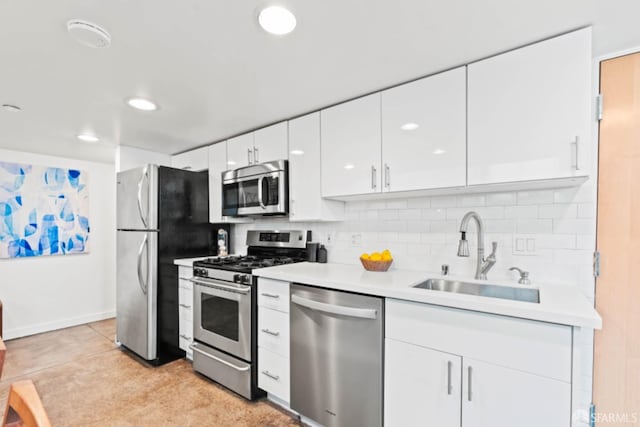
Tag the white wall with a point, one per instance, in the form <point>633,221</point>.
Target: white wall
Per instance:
<point>131,157</point>
<point>45,293</point>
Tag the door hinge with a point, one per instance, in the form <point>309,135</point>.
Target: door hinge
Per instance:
<point>599,107</point>
<point>592,415</point>
<point>596,264</point>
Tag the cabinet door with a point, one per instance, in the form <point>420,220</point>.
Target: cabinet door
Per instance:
<point>239,152</point>
<point>304,166</point>
<point>194,160</point>
<point>424,143</point>
<point>271,143</point>
<point>217,165</point>
<point>351,147</point>
<point>529,112</point>
<point>502,397</point>
<point>422,386</point>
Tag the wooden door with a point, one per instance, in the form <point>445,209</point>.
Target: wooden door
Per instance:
<point>617,346</point>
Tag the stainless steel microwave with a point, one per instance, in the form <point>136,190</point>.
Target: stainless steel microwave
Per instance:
<point>261,189</point>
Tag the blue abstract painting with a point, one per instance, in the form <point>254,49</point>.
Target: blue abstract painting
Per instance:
<point>43,211</point>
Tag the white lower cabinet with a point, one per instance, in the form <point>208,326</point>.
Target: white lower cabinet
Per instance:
<point>501,397</point>
<point>451,367</point>
<point>421,387</point>
<point>273,338</point>
<point>185,309</point>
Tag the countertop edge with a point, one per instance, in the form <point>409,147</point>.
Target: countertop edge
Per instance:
<point>471,303</point>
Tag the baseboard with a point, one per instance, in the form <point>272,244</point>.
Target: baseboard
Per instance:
<point>58,324</point>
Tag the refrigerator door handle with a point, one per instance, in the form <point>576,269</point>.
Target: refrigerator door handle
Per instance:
<point>142,283</point>
<point>143,217</point>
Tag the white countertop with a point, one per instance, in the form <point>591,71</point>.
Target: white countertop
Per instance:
<point>558,304</point>
<point>188,262</point>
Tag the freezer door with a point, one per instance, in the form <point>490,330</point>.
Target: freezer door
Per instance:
<point>336,356</point>
<point>137,199</point>
<point>136,292</point>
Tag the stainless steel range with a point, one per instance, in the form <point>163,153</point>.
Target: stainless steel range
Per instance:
<point>225,308</point>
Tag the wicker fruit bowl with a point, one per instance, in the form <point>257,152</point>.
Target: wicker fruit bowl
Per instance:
<point>376,265</point>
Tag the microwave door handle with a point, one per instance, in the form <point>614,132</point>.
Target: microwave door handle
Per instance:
<point>260,181</point>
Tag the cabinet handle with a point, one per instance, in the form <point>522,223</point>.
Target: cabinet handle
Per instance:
<point>267,331</point>
<point>469,393</point>
<point>185,337</point>
<point>255,155</point>
<point>270,375</point>
<point>264,294</point>
<point>387,176</point>
<point>249,156</point>
<point>576,142</point>
<point>184,305</point>
<point>373,177</point>
<point>449,385</point>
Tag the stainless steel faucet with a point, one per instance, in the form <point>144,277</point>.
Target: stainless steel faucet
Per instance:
<point>484,264</point>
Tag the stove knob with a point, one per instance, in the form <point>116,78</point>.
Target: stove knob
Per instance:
<point>244,279</point>
<point>237,278</point>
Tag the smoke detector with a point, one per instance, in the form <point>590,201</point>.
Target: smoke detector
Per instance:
<point>88,34</point>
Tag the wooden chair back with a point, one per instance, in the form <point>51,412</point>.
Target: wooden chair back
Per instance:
<point>24,407</point>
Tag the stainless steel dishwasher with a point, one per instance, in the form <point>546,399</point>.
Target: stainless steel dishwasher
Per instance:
<point>336,356</point>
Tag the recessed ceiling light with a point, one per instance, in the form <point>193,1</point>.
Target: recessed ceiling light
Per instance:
<point>86,137</point>
<point>410,126</point>
<point>277,20</point>
<point>297,152</point>
<point>11,107</point>
<point>88,34</point>
<point>349,166</point>
<point>439,151</point>
<point>142,104</point>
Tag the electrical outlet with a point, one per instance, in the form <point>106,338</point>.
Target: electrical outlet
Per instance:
<point>356,240</point>
<point>525,244</point>
<point>330,238</point>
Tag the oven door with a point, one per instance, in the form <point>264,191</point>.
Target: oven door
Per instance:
<point>222,316</point>
<point>264,194</point>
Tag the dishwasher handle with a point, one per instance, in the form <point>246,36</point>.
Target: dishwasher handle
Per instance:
<point>363,313</point>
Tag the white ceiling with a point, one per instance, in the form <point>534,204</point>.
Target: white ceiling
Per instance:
<point>215,73</point>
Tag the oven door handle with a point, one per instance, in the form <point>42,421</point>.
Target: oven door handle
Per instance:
<point>260,195</point>
<point>217,359</point>
<point>236,290</point>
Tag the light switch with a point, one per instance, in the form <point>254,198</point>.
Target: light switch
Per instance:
<point>524,244</point>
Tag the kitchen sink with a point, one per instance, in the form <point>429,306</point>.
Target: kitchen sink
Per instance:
<point>481,289</point>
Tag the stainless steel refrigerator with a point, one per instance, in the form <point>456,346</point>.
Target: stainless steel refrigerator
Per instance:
<point>162,214</point>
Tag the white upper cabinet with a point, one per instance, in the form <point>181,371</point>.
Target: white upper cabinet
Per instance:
<point>529,112</point>
<point>264,145</point>
<point>351,147</point>
<point>424,133</point>
<point>194,160</point>
<point>239,151</point>
<point>270,143</point>
<point>305,198</point>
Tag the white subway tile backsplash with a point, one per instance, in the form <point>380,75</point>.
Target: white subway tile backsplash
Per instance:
<point>397,204</point>
<point>535,197</point>
<point>434,214</point>
<point>443,202</point>
<point>587,210</point>
<point>521,212</point>
<point>501,199</point>
<point>574,226</point>
<point>586,241</point>
<point>445,226</point>
<point>410,214</point>
<point>500,225</point>
<point>420,203</point>
<point>562,210</point>
<point>388,214</point>
<point>534,226</point>
<point>555,241</point>
<point>374,204</point>
<point>418,226</point>
<point>471,200</point>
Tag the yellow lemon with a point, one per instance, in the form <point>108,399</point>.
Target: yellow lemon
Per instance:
<point>364,256</point>
<point>375,257</point>
<point>386,252</point>
<point>386,257</point>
